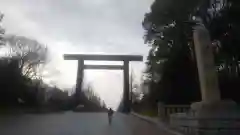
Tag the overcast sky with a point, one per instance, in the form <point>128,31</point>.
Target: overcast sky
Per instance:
<point>81,26</point>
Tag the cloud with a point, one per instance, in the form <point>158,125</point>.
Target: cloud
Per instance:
<point>82,21</point>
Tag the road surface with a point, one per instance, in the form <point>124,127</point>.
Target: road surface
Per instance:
<point>70,123</point>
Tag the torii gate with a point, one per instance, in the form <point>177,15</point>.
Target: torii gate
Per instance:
<point>125,67</point>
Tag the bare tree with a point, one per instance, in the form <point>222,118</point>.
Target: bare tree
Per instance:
<point>134,93</point>
<point>2,31</point>
<point>31,54</point>
<point>93,96</point>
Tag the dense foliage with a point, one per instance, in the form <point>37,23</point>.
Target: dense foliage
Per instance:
<point>171,68</point>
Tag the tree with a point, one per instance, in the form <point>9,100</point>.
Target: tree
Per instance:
<point>225,31</point>
<point>2,31</point>
<point>135,91</point>
<point>18,67</point>
<point>92,96</point>
<point>31,54</point>
<point>171,66</point>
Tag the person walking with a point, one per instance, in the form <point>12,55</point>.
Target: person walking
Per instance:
<point>110,114</point>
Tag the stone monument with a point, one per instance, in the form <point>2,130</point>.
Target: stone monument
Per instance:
<point>211,112</point>
<point>211,116</point>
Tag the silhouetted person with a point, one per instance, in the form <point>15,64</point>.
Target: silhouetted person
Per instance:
<point>110,114</point>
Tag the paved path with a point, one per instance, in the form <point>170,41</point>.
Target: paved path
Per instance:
<point>70,123</point>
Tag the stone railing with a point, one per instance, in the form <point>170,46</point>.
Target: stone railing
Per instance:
<point>191,124</point>
<point>214,119</point>
<point>164,111</point>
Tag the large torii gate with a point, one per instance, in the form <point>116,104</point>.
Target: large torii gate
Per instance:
<point>93,57</point>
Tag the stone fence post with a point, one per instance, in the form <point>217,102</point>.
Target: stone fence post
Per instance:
<point>161,111</point>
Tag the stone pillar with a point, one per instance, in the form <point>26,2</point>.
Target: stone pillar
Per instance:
<point>161,111</point>
<point>212,115</point>
<point>205,63</point>
<point>126,86</point>
<point>206,117</point>
<point>80,75</point>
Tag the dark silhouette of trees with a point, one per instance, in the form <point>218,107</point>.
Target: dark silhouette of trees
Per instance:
<point>18,68</point>
<point>171,71</point>
<point>2,31</point>
<point>31,54</point>
<point>17,74</point>
<point>21,85</point>
<point>93,96</point>
<point>225,31</point>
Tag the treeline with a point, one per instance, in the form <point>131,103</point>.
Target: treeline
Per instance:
<point>171,74</point>
<point>22,62</point>
<point>20,65</point>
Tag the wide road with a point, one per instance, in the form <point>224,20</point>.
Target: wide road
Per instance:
<point>70,123</point>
